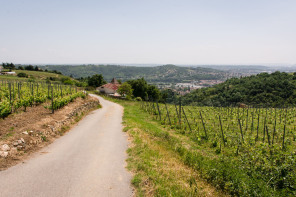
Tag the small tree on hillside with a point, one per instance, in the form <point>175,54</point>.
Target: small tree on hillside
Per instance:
<point>139,87</point>
<point>125,90</point>
<point>96,80</point>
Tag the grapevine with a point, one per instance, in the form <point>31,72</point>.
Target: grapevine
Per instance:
<point>16,95</point>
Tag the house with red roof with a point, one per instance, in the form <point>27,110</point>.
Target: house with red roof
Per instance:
<point>109,88</point>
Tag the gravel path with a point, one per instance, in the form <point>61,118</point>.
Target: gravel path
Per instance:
<point>88,161</point>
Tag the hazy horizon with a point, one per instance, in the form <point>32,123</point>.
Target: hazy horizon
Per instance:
<point>189,32</point>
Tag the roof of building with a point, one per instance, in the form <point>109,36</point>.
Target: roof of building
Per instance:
<point>111,86</point>
<point>114,81</point>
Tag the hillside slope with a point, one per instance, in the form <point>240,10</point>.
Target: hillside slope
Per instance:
<point>276,89</point>
<point>166,73</point>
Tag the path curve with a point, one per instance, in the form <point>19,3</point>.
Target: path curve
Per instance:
<point>88,161</point>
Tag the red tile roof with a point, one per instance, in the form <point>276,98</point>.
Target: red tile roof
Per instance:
<point>111,86</point>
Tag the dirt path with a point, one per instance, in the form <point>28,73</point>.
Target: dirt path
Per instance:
<point>88,161</point>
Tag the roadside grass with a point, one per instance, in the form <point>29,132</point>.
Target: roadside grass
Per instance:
<point>154,143</point>
<point>158,168</point>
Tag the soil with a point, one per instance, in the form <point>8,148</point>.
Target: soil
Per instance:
<point>27,132</point>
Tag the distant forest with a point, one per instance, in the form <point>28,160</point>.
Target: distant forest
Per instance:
<point>166,73</point>
<point>274,90</point>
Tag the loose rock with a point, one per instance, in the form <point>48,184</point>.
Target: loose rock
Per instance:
<point>5,147</point>
<point>19,147</point>
<point>3,154</point>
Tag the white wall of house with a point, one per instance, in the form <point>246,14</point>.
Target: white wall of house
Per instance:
<point>106,90</point>
<point>10,73</point>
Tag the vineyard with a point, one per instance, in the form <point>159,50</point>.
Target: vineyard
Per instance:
<point>18,95</point>
<point>245,151</point>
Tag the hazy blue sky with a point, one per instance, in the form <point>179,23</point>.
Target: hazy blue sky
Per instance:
<point>148,31</point>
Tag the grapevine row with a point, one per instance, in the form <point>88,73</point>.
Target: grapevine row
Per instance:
<point>16,95</point>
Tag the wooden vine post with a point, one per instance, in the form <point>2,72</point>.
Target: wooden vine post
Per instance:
<point>241,130</point>
<point>52,100</point>
<point>186,119</point>
<point>222,131</point>
<point>158,110</point>
<point>168,114</point>
<point>203,124</point>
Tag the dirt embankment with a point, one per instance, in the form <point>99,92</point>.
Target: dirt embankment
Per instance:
<point>26,132</point>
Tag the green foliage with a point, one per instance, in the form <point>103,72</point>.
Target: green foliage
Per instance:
<point>245,151</point>
<point>43,138</point>
<point>22,75</point>
<point>139,87</point>
<point>166,73</point>
<point>67,81</point>
<point>125,89</point>
<point>10,66</point>
<point>154,92</point>
<point>63,101</point>
<point>29,67</point>
<point>276,89</point>
<point>96,80</point>
<point>143,90</point>
<point>138,99</point>
<point>15,95</point>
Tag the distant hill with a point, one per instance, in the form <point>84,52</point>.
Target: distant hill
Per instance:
<point>244,70</point>
<point>274,90</point>
<point>166,73</point>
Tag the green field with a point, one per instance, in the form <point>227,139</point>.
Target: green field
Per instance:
<point>35,75</point>
<point>18,95</point>
<point>250,158</point>
<point>250,150</point>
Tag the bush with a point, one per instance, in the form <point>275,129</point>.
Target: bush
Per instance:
<point>90,88</point>
<point>138,99</point>
<point>22,75</point>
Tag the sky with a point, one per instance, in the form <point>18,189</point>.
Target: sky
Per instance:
<point>191,32</point>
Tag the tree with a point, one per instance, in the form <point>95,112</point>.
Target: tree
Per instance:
<point>168,95</point>
<point>125,90</point>
<point>96,80</point>
<point>67,81</point>
<point>9,66</point>
<point>140,87</point>
<point>22,75</point>
<point>30,67</point>
<point>153,92</point>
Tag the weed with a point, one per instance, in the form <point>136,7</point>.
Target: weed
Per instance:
<point>43,137</point>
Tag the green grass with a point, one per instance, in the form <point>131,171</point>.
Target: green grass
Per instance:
<point>36,75</point>
<point>155,143</point>
<point>159,170</point>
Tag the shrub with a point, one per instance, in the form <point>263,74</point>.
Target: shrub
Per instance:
<point>22,75</point>
<point>138,99</point>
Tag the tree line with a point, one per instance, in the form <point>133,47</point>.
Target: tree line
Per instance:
<point>12,66</point>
